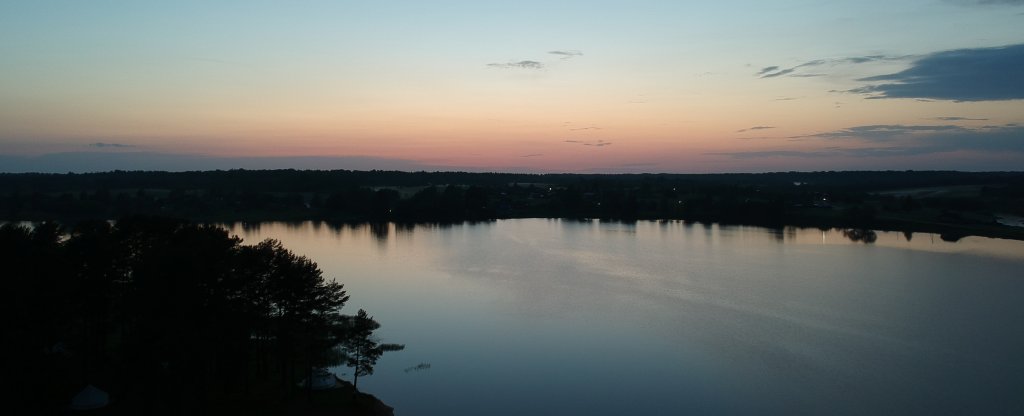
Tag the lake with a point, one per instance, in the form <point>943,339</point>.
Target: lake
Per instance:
<point>562,317</point>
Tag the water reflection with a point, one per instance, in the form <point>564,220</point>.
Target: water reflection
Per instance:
<point>951,237</point>
<point>380,231</point>
<point>731,320</point>
<point>384,232</point>
<point>860,235</point>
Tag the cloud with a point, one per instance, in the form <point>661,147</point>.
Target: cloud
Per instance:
<point>531,64</point>
<point>567,54</point>
<point>755,128</point>
<point>101,145</point>
<point>979,74</point>
<point>518,65</point>
<point>898,140</point>
<point>958,119</point>
<point>773,71</point>
<point>585,128</point>
<point>594,143</point>
<point>777,71</point>
<point>767,70</point>
<point>882,132</point>
<point>92,161</point>
<point>532,155</point>
<point>768,154</point>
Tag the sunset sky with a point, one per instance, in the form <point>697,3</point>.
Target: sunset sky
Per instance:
<point>524,86</point>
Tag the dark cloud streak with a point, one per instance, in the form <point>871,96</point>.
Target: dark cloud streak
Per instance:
<point>567,54</point>
<point>777,71</point>
<point>912,141</point>
<point>882,132</point>
<point>959,119</point>
<point>93,161</point>
<point>101,145</point>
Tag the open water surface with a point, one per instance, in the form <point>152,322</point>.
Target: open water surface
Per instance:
<point>559,317</point>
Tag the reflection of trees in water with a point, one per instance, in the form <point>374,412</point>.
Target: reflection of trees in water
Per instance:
<point>909,235</point>
<point>783,233</point>
<point>380,230</point>
<point>250,227</point>
<point>860,235</point>
<point>383,230</point>
<point>951,237</point>
<point>403,229</point>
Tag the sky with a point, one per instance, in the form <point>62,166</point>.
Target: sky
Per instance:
<point>526,86</point>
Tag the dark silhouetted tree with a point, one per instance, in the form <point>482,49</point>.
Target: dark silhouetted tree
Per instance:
<point>175,317</point>
<point>361,348</point>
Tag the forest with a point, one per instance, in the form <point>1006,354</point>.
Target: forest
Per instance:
<point>235,328</point>
<point>953,204</point>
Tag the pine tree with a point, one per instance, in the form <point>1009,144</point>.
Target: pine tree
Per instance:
<point>361,348</point>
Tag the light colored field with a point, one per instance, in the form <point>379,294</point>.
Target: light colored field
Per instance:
<point>937,191</point>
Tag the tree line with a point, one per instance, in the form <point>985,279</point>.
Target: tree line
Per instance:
<point>170,317</point>
<point>964,202</point>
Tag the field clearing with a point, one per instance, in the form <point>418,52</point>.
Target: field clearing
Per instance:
<point>958,191</point>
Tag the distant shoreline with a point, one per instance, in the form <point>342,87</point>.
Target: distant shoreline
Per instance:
<point>952,204</point>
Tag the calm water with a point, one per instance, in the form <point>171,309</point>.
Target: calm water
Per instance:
<point>556,317</point>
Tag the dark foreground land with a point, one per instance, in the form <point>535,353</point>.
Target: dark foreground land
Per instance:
<point>954,204</point>
<point>166,317</point>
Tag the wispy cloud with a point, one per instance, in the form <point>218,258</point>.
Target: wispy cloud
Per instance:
<point>758,154</point>
<point>882,132</point>
<point>92,161</point>
<point>567,54</point>
<point>101,145</point>
<point>900,140</point>
<point>774,71</point>
<point>778,71</point>
<point>527,64</point>
<point>535,64</point>
<point>532,155</point>
<point>958,119</point>
<point>585,128</point>
<point>767,70</point>
<point>755,128</point>
<point>979,74</point>
<point>594,143</point>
